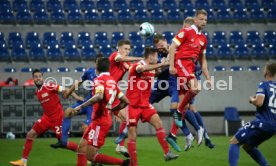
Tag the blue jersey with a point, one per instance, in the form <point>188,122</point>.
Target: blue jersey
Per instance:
<point>267,112</point>
<point>89,75</point>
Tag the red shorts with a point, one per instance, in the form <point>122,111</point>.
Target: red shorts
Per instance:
<point>96,133</point>
<point>135,113</point>
<point>43,124</point>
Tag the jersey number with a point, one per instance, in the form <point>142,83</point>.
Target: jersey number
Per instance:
<point>272,100</point>
<point>112,98</point>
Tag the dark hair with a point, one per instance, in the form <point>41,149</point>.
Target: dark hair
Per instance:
<point>100,55</point>
<point>36,71</point>
<point>102,64</point>
<point>201,11</point>
<point>148,51</point>
<point>123,42</point>
<point>157,38</point>
<point>271,68</point>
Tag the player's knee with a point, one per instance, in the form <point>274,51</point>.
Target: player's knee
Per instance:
<point>233,140</point>
<point>247,147</point>
<point>196,90</point>
<point>82,147</point>
<point>174,105</point>
<point>31,134</point>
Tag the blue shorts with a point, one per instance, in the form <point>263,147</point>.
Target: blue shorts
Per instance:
<point>161,92</point>
<point>254,133</point>
<point>86,110</point>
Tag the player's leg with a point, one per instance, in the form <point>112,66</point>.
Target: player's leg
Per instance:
<point>189,138</point>
<point>81,153</point>
<point>234,152</point>
<point>132,134</point>
<point>171,138</point>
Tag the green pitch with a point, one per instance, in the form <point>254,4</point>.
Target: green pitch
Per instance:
<point>148,149</point>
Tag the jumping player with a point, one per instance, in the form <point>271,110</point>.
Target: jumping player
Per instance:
<point>254,133</point>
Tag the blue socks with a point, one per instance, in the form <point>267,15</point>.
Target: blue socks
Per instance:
<point>199,119</point>
<point>190,116</point>
<point>66,124</point>
<point>185,129</point>
<point>233,154</point>
<point>257,156</point>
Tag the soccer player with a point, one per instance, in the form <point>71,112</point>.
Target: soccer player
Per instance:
<point>140,79</point>
<point>119,65</point>
<point>188,47</point>
<point>253,133</point>
<point>105,93</point>
<point>52,117</point>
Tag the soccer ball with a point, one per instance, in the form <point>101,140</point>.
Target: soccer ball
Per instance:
<point>146,29</point>
<point>10,136</point>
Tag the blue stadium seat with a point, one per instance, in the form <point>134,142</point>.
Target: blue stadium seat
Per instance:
<point>87,5</point>
<point>23,16</point>
<point>169,5</point>
<point>115,37</point>
<point>189,12</point>
<point>120,5</point>
<point>14,39</point>
<point>234,4</point>
<point>4,53</point>
<point>36,53</point>
<point>26,69</point>
<point>241,52</point>
<point>4,5</point>
<point>269,38</point>
<point>138,50</point>
<point>49,38</point>
<point>9,70</point>
<point>257,15</point>
<point>224,51</point>
<point>67,39</point>
<point>103,4</point>
<point>91,16</point>
<point>136,5</point>
<point>169,35</point>
<point>236,68</point>
<point>54,53</point>
<point>231,114</point>
<point>158,16</point>
<point>219,68</point>
<point>108,16</point>
<point>19,4</point>
<point>153,5</point>
<point>37,5</point>
<point>70,5</point>
<point>80,69</point>
<point>83,38</point>
<point>46,69</point>
<point>174,16</point>
<point>88,52</point>
<point>135,38</point>
<point>219,37</point>
<point>41,17</point>
<point>63,70</point>
<point>210,52</point>
<point>224,15</point>
<point>106,50</point>
<point>53,5</point>
<point>185,4</point>
<point>7,17</point>
<point>218,4</point>
<point>124,16</point>
<point>101,39</point>
<point>74,17</point>
<point>207,36</point>
<point>251,5</point>
<point>19,53</point>
<point>267,4</point>
<point>272,52</point>
<point>253,37</point>
<point>259,51</point>
<point>141,16</point>
<point>202,4</point>
<point>149,41</point>
<point>32,38</point>
<point>254,68</point>
<point>58,17</point>
<point>71,53</point>
<point>2,37</point>
<point>236,38</point>
<point>271,14</point>
<point>240,15</point>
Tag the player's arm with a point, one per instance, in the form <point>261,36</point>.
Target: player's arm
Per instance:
<point>120,58</point>
<point>69,91</point>
<point>123,103</point>
<point>204,65</point>
<point>144,68</point>
<point>172,49</point>
<point>257,100</point>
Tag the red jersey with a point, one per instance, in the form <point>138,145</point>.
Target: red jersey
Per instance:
<point>106,84</point>
<point>190,43</point>
<point>139,86</point>
<point>48,97</point>
<point>117,69</point>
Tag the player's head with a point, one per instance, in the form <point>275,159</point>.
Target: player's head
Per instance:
<point>270,69</point>
<point>160,43</point>
<point>150,54</point>
<point>124,47</point>
<point>102,65</point>
<point>38,77</point>
<point>188,22</point>
<point>200,18</point>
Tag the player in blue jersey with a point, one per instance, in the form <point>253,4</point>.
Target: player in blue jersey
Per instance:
<point>263,127</point>
<point>89,75</point>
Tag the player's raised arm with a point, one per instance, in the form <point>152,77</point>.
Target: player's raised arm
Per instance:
<point>120,58</point>
<point>123,102</point>
<point>69,91</point>
<point>172,50</point>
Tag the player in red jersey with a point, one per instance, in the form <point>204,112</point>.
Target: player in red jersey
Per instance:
<point>119,65</point>
<point>188,47</point>
<point>52,117</point>
<point>105,93</point>
<point>140,80</point>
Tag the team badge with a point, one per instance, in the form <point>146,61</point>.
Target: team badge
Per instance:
<point>201,43</point>
<point>181,35</point>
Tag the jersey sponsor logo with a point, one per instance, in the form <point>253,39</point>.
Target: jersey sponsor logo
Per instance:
<point>44,95</point>
<point>132,120</point>
<point>181,35</point>
<point>260,90</point>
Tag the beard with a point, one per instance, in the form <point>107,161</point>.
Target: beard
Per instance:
<point>38,84</point>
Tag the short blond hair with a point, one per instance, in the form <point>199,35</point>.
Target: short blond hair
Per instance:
<point>188,20</point>
<point>200,11</point>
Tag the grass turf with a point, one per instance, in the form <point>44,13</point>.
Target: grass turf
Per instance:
<point>148,149</point>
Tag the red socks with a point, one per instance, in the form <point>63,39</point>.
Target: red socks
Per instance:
<point>161,136</point>
<point>187,98</point>
<point>82,161</point>
<point>121,129</point>
<point>174,129</point>
<point>104,159</point>
<point>72,146</point>
<point>27,148</point>
<point>132,151</point>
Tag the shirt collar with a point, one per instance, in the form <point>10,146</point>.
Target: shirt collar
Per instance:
<point>196,29</point>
